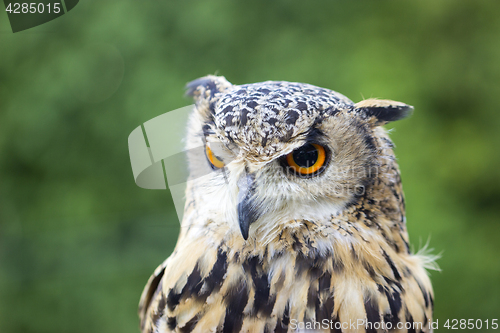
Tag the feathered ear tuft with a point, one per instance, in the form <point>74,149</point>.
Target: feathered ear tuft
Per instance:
<point>206,87</point>
<point>383,110</point>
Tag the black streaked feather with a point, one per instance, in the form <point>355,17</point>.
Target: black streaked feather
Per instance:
<point>236,300</point>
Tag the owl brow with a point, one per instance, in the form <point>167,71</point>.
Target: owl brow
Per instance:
<point>207,130</point>
<point>315,135</point>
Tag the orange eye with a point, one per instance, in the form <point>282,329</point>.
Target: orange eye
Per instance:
<point>214,161</point>
<point>307,159</point>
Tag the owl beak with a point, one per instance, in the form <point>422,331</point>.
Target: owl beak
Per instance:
<point>248,211</point>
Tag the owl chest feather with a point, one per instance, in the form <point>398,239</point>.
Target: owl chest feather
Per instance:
<point>289,284</point>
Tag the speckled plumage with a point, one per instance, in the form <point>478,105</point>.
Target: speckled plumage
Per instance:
<point>328,248</point>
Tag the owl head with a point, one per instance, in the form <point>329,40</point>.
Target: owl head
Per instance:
<point>280,152</point>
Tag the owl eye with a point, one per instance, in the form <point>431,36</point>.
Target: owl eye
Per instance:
<point>307,159</point>
<point>214,161</point>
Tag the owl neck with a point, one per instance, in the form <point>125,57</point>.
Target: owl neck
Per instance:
<point>380,210</point>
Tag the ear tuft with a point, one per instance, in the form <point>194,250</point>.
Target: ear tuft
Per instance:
<point>207,86</point>
<point>383,110</point>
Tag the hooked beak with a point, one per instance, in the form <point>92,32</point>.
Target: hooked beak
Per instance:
<point>248,211</point>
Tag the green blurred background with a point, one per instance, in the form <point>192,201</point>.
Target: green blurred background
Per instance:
<point>78,239</point>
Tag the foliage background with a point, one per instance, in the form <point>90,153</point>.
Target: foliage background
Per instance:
<point>78,239</point>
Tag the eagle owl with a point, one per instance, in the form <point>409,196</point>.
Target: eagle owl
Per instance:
<point>298,223</point>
